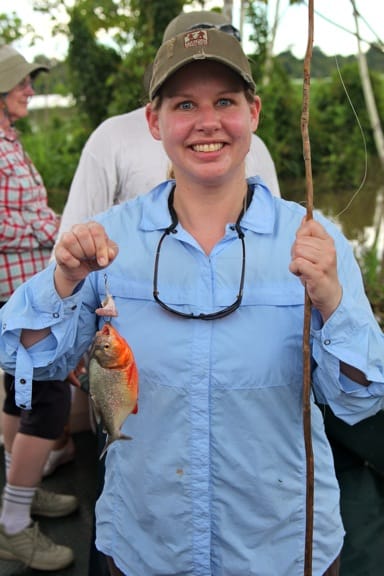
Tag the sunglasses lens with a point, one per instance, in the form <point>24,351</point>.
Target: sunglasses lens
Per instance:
<point>229,29</point>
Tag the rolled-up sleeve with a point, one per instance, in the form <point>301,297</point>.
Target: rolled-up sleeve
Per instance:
<point>36,305</point>
<point>351,336</point>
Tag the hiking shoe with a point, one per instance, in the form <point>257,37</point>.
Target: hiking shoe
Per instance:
<point>53,505</point>
<point>34,549</point>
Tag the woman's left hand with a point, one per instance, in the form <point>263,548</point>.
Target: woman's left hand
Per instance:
<point>314,261</point>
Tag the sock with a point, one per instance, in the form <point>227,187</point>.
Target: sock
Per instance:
<point>7,462</point>
<point>16,511</point>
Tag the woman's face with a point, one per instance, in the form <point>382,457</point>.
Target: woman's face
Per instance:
<point>205,122</point>
<point>17,99</point>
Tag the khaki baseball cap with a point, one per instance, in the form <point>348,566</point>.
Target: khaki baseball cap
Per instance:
<point>186,21</point>
<point>14,68</point>
<point>194,46</point>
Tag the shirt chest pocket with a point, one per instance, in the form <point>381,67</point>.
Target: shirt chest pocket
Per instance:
<point>265,348</point>
<point>123,289</point>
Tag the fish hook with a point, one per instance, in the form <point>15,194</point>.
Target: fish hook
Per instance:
<point>108,307</point>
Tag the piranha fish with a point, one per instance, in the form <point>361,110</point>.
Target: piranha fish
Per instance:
<point>113,382</point>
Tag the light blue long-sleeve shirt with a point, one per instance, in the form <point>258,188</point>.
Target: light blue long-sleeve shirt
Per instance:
<point>213,482</point>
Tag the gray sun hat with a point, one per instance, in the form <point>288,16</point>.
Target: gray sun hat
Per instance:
<point>194,46</point>
<point>14,68</point>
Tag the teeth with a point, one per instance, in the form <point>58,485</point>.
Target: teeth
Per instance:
<point>208,147</point>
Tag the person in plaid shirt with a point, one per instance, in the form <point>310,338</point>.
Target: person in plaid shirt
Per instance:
<point>32,419</point>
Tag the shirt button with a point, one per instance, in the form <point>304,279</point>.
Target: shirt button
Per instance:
<point>56,315</point>
<point>327,342</point>
<point>22,381</point>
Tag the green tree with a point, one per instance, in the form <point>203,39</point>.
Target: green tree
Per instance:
<point>109,79</point>
<point>280,124</point>
<point>91,65</point>
<point>12,28</point>
<point>256,13</point>
<point>150,20</point>
<point>256,16</point>
<point>339,138</point>
<point>280,116</point>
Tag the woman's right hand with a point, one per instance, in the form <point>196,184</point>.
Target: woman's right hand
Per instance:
<point>84,249</point>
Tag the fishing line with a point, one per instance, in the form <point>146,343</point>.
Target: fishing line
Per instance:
<point>364,178</point>
<point>364,142</point>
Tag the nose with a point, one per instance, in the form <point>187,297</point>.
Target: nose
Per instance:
<point>26,86</point>
<point>209,119</point>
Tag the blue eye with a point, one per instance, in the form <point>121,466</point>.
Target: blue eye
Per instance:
<point>185,105</point>
<point>223,102</point>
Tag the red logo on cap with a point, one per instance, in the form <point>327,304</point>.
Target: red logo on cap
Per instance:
<point>196,38</point>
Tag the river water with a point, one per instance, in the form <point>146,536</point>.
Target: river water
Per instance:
<point>359,213</point>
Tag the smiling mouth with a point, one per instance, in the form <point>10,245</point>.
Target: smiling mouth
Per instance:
<point>213,147</point>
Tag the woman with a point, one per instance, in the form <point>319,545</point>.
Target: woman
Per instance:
<point>207,275</point>
<point>28,232</point>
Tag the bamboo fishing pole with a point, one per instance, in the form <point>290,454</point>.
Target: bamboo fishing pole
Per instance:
<point>307,306</point>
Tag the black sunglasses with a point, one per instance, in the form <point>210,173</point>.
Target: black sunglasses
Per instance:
<point>171,230</point>
<point>227,28</point>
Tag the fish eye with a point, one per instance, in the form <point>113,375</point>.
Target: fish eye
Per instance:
<point>106,346</point>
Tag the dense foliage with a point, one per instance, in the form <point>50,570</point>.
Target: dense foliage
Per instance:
<point>91,65</point>
<point>108,78</point>
<point>338,139</point>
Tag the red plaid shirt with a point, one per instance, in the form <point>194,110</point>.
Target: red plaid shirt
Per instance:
<point>28,227</point>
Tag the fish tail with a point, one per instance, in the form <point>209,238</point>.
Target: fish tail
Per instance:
<point>110,441</point>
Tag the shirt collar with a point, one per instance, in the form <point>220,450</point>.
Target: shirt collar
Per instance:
<point>9,133</point>
<point>260,216</point>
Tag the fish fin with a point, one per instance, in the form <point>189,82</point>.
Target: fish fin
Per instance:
<point>135,410</point>
<point>104,450</point>
<point>108,442</point>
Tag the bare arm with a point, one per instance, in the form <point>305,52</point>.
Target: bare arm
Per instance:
<point>354,374</point>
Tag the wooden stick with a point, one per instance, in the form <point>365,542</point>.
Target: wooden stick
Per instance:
<point>307,307</point>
